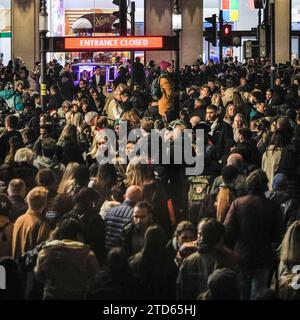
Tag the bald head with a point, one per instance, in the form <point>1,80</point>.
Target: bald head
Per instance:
<point>235,160</point>
<point>134,194</point>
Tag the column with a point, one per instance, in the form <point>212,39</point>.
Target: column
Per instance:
<point>158,15</point>
<point>25,34</point>
<point>191,36</point>
<point>282,30</point>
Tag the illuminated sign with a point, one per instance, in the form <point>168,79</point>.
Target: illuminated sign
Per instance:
<point>113,43</point>
<point>230,10</point>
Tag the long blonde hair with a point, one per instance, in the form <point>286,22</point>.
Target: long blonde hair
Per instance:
<point>137,173</point>
<point>68,177</point>
<point>290,246</point>
<point>223,202</point>
<point>77,120</point>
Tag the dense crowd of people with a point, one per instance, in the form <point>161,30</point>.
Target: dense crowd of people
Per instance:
<point>74,227</point>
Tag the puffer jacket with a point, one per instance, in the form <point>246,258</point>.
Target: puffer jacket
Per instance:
<point>65,267</point>
<point>13,99</point>
<point>115,221</point>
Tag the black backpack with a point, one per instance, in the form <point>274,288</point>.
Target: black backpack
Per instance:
<point>156,92</point>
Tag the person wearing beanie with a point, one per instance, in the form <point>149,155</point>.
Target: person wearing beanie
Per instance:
<point>87,210</point>
<point>279,194</point>
<point>166,102</point>
<point>211,255</point>
<point>222,284</point>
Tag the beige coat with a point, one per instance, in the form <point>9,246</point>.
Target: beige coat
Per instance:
<point>22,240</point>
<point>270,162</point>
<point>167,99</point>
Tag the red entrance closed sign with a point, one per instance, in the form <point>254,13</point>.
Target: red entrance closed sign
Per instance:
<point>113,43</point>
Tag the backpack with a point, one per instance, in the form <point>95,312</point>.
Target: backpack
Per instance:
<point>199,188</point>
<point>155,89</point>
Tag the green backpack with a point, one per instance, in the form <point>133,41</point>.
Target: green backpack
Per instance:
<point>199,188</point>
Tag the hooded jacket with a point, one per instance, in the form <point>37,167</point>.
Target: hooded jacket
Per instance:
<point>13,99</point>
<point>48,163</point>
<point>65,267</point>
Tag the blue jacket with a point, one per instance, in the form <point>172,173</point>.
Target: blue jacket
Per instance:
<point>115,221</point>
<point>13,99</point>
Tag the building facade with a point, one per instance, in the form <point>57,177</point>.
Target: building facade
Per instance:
<point>19,35</point>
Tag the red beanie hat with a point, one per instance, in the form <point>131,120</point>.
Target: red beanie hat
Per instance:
<point>164,65</point>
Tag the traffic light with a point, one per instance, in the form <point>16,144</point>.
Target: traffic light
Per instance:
<point>211,32</point>
<point>121,25</point>
<point>264,42</point>
<point>226,35</point>
<point>251,49</point>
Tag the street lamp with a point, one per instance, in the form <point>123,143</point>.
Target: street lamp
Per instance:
<point>43,28</point>
<point>177,28</point>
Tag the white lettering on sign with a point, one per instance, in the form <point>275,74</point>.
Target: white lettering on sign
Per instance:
<point>121,43</point>
<point>114,43</point>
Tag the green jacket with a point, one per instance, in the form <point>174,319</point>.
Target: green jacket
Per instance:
<point>13,99</point>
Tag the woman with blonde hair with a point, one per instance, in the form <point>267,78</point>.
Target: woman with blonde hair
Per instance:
<point>216,100</point>
<point>239,121</point>
<point>77,120</point>
<point>137,173</point>
<point>68,180</point>
<point>238,102</point>
<point>132,119</point>
<point>69,146</point>
<point>230,112</point>
<point>100,144</point>
<point>227,192</point>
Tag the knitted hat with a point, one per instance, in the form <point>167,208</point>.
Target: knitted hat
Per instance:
<point>280,182</point>
<point>164,65</point>
<point>86,196</point>
<point>223,285</point>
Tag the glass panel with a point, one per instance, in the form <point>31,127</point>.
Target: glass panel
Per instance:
<point>295,48</point>
<point>5,31</point>
<point>296,15</point>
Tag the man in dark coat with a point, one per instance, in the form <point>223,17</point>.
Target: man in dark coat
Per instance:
<point>133,235</point>
<point>11,123</point>
<point>98,79</point>
<point>221,132</point>
<point>92,222</point>
<point>255,225</point>
<point>66,84</point>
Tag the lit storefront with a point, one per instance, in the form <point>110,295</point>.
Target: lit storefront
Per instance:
<point>67,17</point>
<point>5,31</point>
